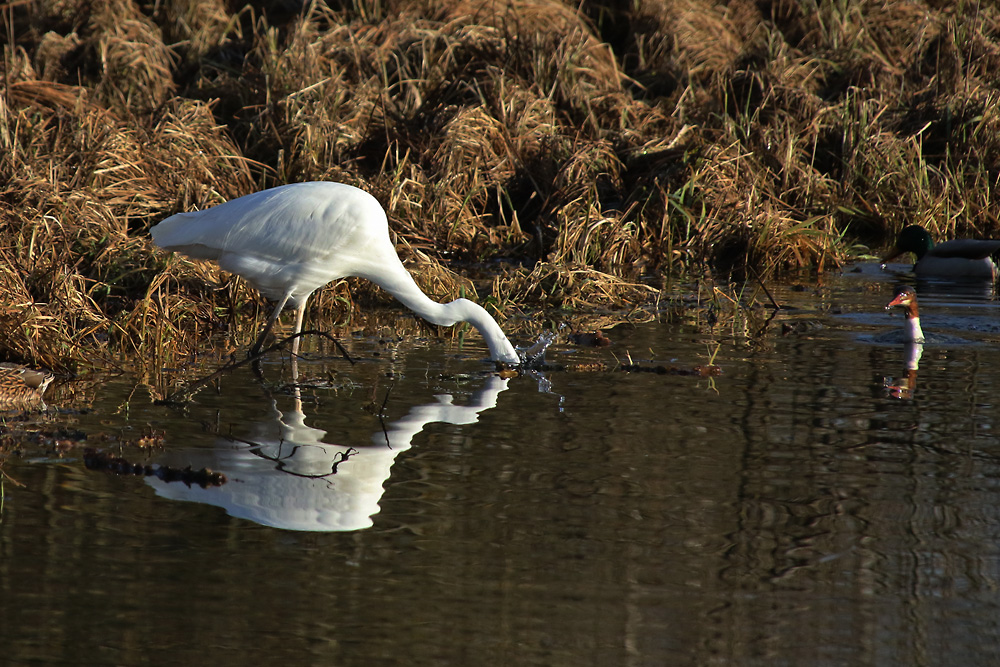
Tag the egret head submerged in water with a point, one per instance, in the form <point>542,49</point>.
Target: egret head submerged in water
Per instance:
<point>291,240</point>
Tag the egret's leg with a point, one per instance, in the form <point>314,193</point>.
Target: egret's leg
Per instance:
<point>300,314</point>
<point>297,391</point>
<point>259,345</point>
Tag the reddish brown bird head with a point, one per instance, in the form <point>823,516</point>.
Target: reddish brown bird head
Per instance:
<point>906,298</point>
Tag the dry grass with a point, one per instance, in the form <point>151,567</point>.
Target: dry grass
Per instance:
<point>597,147</point>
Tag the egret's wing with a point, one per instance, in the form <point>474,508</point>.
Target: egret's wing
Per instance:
<point>299,236</point>
<point>299,221</point>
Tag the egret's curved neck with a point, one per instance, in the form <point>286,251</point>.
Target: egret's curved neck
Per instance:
<point>471,312</point>
<point>402,286</point>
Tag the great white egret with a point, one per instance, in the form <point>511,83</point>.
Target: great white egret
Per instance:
<point>290,240</point>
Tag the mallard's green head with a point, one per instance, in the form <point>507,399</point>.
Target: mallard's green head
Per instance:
<point>915,239</point>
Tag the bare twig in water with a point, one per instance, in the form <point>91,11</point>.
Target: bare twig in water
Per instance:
<point>766,324</point>
<point>281,462</point>
<point>5,475</point>
<point>760,281</point>
<point>381,414</point>
<point>313,332</point>
<point>184,394</point>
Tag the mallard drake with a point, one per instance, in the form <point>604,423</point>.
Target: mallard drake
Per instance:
<point>21,387</point>
<point>906,298</point>
<point>961,258</point>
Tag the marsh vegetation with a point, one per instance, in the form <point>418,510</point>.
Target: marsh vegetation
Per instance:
<point>530,153</point>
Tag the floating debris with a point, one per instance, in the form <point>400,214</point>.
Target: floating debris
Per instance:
<point>97,460</point>
<point>593,367</point>
<point>591,339</point>
<point>709,370</point>
<point>15,435</point>
<point>800,327</point>
<point>150,441</point>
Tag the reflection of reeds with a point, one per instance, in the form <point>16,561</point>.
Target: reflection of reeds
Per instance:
<point>598,147</point>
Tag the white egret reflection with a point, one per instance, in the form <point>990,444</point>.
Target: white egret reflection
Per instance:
<point>288,477</point>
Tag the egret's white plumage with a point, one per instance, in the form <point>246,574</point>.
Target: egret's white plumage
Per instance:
<point>290,240</point>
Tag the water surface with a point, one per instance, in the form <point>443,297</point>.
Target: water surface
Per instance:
<point>819,502</point>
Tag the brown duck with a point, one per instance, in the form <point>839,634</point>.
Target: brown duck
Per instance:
<point>21,388</point>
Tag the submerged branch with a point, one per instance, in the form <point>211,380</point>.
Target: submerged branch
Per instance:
<point>183,395</point>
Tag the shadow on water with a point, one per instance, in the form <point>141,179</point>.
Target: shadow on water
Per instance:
<point>823,499</point>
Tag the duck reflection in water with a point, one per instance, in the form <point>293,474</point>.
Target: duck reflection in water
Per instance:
<point>290,478</point>
<point>904,386</point>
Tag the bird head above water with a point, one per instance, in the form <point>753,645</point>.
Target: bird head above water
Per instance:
<point>913,238</point>
<point>906,298</point>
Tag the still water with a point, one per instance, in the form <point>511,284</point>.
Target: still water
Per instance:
<point>816,503</point>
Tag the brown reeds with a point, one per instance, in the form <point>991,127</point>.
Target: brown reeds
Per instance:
<point>595,147</point>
